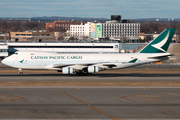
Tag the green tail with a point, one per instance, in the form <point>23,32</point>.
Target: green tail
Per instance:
<point>161,43</point>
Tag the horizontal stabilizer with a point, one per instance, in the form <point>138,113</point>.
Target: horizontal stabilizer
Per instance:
<point>160,57</point>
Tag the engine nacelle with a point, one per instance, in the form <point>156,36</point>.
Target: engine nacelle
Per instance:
<point>93,69</point>
<point>67,70</point>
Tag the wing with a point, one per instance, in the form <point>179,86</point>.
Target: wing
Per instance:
<point>85,65</point>
<point>75,66</point>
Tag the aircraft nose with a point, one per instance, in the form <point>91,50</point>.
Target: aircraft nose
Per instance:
<point>5,61</point>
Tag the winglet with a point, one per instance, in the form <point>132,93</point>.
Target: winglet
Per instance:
<point>133,61</point>
<point>161,43</point>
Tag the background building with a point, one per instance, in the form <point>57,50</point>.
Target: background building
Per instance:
<point>120,31</point>
<point>60,26</point>
<point>116,18</point>
<point>81,30</point>
<point>32,36</point>
<point>111,29</point>
<point>114,29</point>
<point>9,48</point>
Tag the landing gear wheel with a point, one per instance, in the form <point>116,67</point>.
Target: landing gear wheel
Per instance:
<point>21,73</point>
<point>82,73</point>
<point>79,73</point>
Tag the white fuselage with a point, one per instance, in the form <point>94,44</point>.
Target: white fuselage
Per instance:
<point>55,61</point>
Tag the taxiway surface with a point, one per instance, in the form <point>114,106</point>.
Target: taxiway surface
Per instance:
<point>96,78</point>
<point>89,103</point>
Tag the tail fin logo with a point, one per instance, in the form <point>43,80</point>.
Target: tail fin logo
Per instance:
<point>160,44</point>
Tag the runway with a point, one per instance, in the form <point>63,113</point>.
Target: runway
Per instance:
<point>92,78</point>
<point>89,103</point>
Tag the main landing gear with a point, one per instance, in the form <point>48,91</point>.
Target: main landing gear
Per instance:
<point>82,72</point>
<point>20,72</point>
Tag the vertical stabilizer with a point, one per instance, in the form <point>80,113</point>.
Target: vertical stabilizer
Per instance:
<point>161,43</point>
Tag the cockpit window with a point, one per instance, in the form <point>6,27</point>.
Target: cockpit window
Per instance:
<point>16,53</point>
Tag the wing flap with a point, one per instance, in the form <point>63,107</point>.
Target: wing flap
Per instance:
<point>61,65</point>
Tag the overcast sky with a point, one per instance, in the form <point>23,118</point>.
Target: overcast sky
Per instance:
<point>129,9</point>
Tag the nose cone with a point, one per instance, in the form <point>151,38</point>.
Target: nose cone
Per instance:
<point>6,62</point>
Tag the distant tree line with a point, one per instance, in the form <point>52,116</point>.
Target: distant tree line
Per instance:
<point>158,27</point>
<point>146,27</point>
<point>15,26</point>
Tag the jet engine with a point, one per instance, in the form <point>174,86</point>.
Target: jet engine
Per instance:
<point>67,70</point>
<point>93,69</point>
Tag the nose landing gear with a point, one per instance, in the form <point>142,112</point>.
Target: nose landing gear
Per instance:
<point>20,72</point>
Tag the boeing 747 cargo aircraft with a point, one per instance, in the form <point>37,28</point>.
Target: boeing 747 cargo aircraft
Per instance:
<point>80,63</point>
